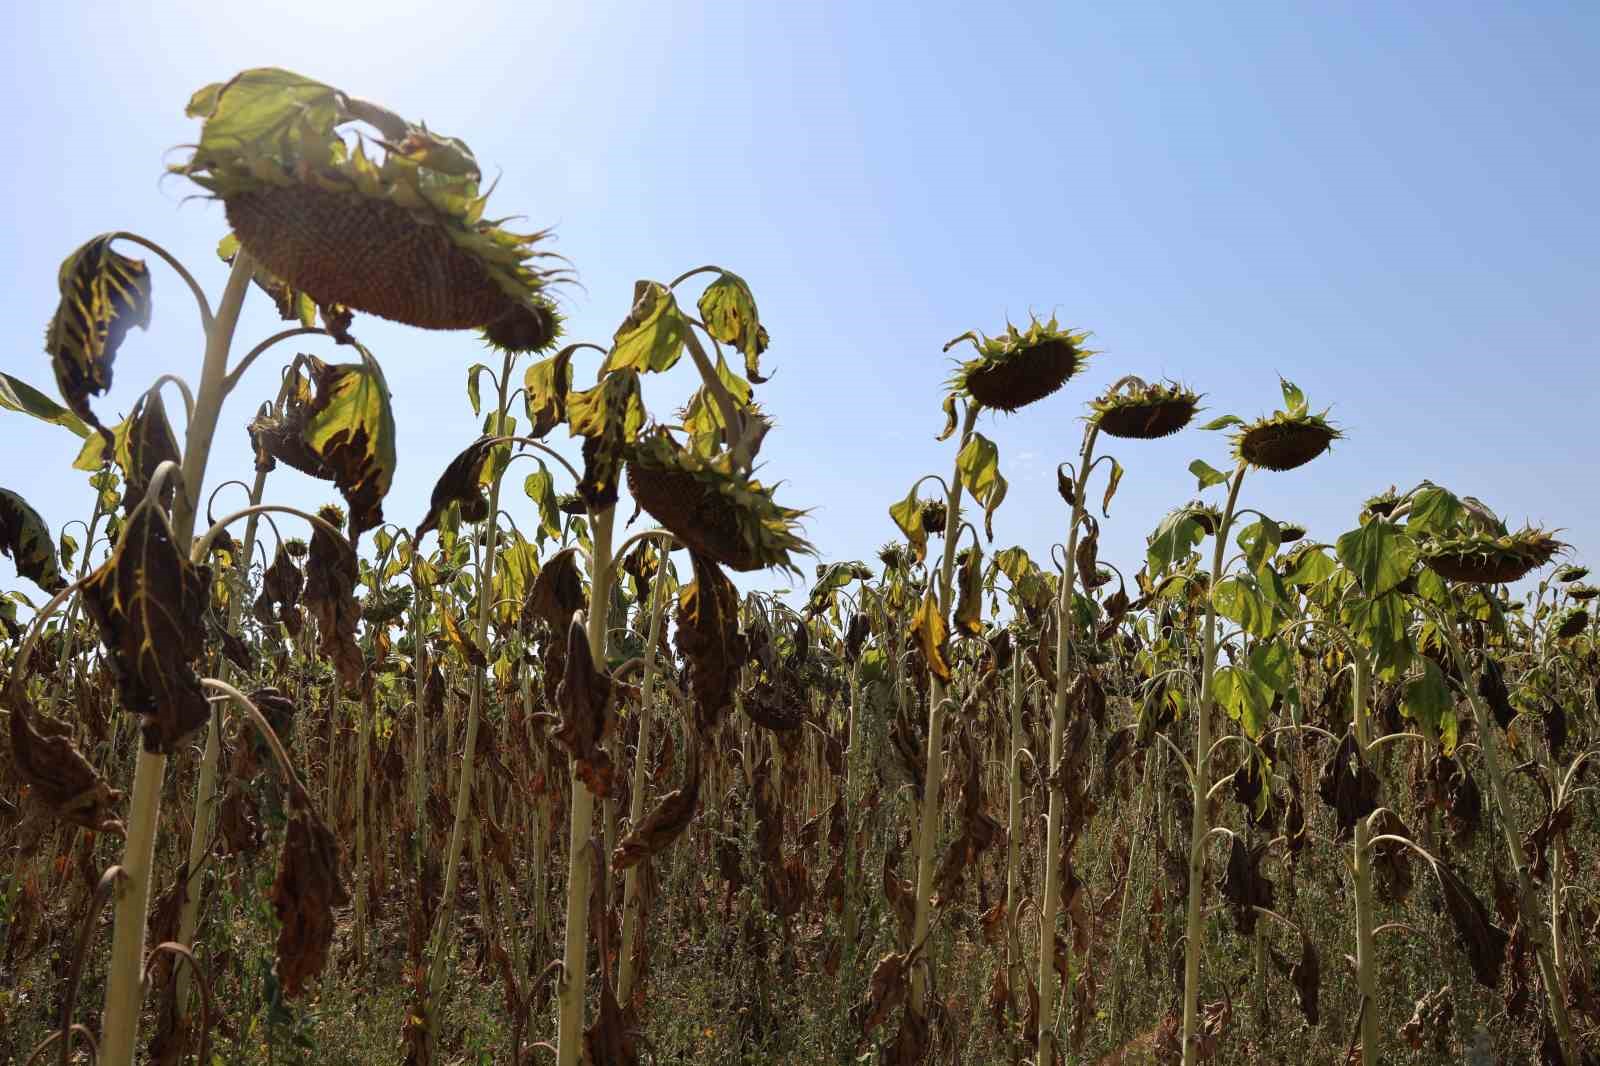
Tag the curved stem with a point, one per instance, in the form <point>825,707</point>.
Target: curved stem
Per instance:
<point>178,268</point>
<point>250,357</point>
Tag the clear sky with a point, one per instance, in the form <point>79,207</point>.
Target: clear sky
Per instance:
<point>1392,204</point>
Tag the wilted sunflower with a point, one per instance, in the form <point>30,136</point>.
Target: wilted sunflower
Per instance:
<point>1571,622</point>
<point>1137,411</point>
<point>1289,532</point>
<point>1568,574</point>
<point>893,556</point>
<point>1207,517</point>
<point>1583,593</point>
<point>1487,558</point>
<point>1383,504</point>
<point>711,506</point>
<point>1018,368</point>
<point>402,237</point>
<point>1285,440</point>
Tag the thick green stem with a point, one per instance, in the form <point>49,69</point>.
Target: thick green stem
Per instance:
<point>1198,828</point>
<point>575,958</point>
<point>928,832</point>
<point>123,988</point>
<point>1049,990</point>
<point>632,903</point>
<point>1014,826</point>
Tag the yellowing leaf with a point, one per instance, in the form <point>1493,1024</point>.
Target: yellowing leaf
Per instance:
<point>651,337</point>
<point>979,465</point>
<point>929,631</point>
<point>103,295</point>
<point>728,309</point>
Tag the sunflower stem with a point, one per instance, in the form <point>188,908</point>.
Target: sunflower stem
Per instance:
<point>123,988</point>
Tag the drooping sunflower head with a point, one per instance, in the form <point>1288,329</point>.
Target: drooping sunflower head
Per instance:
<point>708,503</point>
<point>1482,557</point>
<point>1571,622</point>
<point>1138,411</point>
<point>1570,573</point>
<point>1383,504</point>
<point>1019,367</point>
<point>892,555</point>
<point>390,223</point>
<point>1583,593</point>
<point>1286,439</point>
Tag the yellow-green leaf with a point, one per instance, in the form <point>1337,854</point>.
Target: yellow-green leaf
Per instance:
<point>18,395</point>
<point>350,428</point>
<point>651,337</point>
<point>25,537</point>
<point>728,309</point>
<point>979,465</point>
<point>929,631</point>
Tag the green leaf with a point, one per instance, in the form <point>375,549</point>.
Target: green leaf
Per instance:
<point>1111,488</point>
<point>1273,665</point>
<point>1435,512</point>
<point>652,336</point>
<point>69,550</point>
<point>979,466</point>
<point>103,295</point>
<point>1243,697</point>
<point>907,514</point>
<point>728,309</point>
<point>1379,554</point>
<point>1311,567</point>
<point>18,395</point>
<point>1238,599</point>
<point>1380,625</point>
<point>1223,422</point>
<point>472,387</point>
<point>541,489</point>
<point>1260,541</point>
<point>1173,540</point>
<point>1206,474</point>
<point>1294,401</point>
<point>1428,702</point>
<point>25,537</point>
<point>500,454</point>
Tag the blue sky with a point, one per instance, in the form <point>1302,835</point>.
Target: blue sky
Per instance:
<point>1390,204</point>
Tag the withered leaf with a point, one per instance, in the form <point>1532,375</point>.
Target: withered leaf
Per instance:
<point>148,443</point>
<point>1348,785</point>
<point>149,603</point>
<point>969,602</point>
<point>25,537</point>
<point>665,822</point>
<point>304,894</point>
<point>61,778</point>
<point>557,592</point>
<point>1243,885</point>
<point>331,574</point>
<point>103,295</point>
<point>585,699</point>
<point>460,484</point>
<point>708,638</point>
<point>1482,940</point>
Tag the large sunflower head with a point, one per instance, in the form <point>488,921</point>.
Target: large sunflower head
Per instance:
<point>1485,557</point>
<point>389,223</point>
<point>1139,411</point>
<point>1571,622</point>
<point>1286,439</point>
<point>707,502</point>
<point>1019,366</point>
